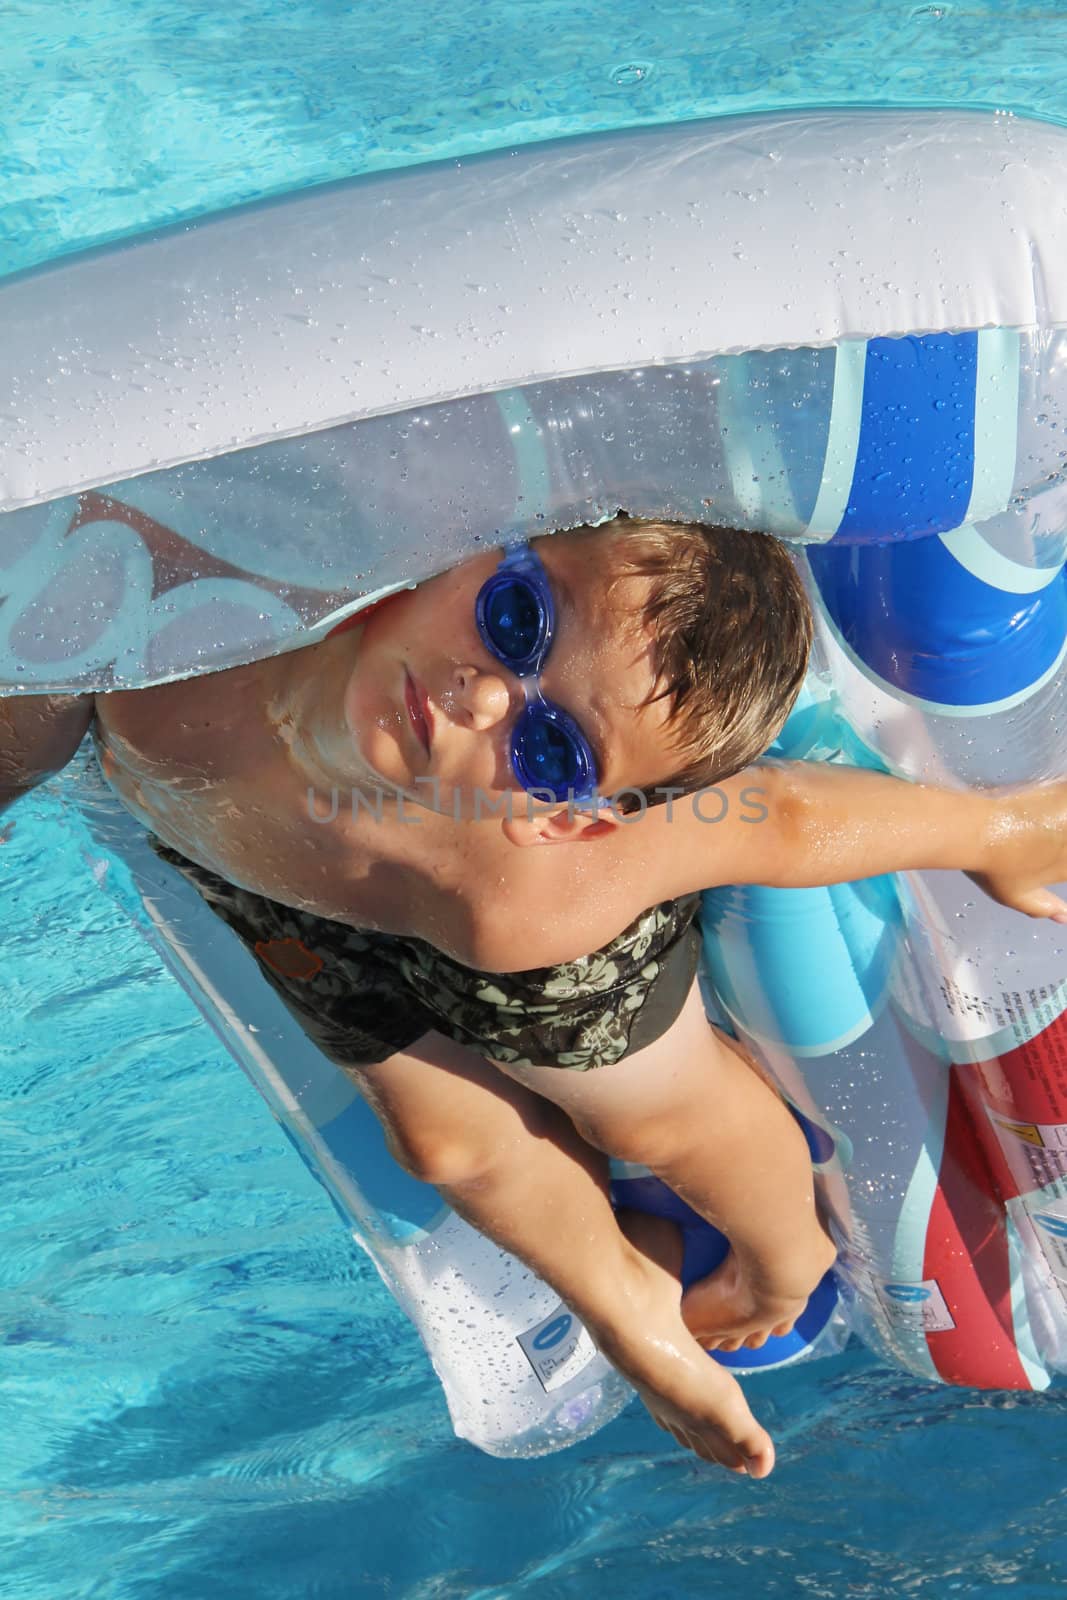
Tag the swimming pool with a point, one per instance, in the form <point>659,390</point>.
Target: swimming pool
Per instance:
<point>206,1387</point>
<point>121,115</point>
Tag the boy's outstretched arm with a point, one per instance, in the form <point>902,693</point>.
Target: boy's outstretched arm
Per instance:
<point>790,825</point>
<point>799,824</point>
<point>39,734</point>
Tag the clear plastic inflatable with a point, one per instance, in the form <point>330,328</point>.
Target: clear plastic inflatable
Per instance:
<point>847,329</point>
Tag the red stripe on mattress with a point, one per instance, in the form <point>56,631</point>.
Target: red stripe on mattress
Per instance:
<point>1030,1082</point>
<point>967,1253</point>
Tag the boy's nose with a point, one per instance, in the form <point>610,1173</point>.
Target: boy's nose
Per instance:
<point>483,697</point>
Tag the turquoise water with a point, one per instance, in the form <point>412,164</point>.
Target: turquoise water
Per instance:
<point>204,1389</point>
<point>119,114</point>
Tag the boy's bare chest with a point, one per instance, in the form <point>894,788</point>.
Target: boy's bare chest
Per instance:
<point>199,763</point>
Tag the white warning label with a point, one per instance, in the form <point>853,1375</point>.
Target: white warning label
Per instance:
<point>557,1348</point>
<point>1002,1019</point>
<point>1049,1223</point>
<point>917,1307</point>
<point>1036,1151</point>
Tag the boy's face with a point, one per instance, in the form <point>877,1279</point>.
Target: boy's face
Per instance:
<point>432,710</point>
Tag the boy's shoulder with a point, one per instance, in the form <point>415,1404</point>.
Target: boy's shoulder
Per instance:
<point>557,903</point>
<point>39,734</point>
<point>553,905</point>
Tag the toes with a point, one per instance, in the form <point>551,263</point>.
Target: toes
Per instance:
<point>761,1465</point>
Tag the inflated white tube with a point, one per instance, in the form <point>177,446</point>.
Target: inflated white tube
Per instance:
<point>400,290</point>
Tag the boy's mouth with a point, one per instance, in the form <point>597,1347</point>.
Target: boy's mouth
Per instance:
<point>418,710</point>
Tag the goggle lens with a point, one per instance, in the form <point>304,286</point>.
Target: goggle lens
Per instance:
<point>513,621</point>
<point>551,755</point>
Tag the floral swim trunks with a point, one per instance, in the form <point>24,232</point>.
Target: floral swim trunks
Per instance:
<point>363,996</point>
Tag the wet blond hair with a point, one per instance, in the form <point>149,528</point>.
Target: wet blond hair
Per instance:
<point>731,632</point>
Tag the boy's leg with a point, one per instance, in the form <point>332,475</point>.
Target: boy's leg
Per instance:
<point>530,1184</point>
<point>693,1109</point>
<point>515,1167</point>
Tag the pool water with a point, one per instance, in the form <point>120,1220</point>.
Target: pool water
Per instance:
<point>204,1387</point>
<point>120,114</point>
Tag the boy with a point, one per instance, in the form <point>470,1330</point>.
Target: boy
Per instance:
<point>357,811</point>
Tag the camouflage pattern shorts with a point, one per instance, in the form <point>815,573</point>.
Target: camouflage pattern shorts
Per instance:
<point>364,996</point>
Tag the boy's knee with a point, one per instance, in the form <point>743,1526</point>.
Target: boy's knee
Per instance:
<point>643,1140</point>
<point>454,1150</point>
<point>441,1158</point>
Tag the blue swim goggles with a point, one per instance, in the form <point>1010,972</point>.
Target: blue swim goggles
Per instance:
<point>516,620</point>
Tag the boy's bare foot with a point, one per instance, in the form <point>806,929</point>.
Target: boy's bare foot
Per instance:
<point>725,1311</point>
<point>722,1314</point>
<point>692,1398</point>
<point>721,1311</point>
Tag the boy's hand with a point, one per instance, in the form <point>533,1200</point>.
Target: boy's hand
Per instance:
<point>1026,849</point>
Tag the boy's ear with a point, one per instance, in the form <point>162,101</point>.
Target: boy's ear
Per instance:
<point>538,823</point>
